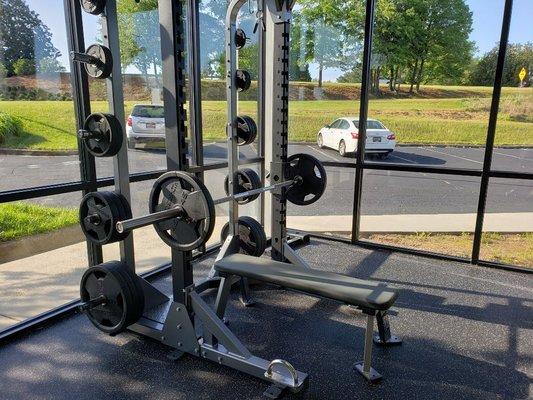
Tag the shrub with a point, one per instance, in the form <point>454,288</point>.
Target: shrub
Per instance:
<point>9,127</point>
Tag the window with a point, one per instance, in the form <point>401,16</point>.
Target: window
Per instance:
<point>148,111</point>
<point>344,124</point>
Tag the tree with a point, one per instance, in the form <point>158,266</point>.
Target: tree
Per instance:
<point>330,41</point>
<point>23,67</point>
<point>518,56</point>
<point>23,35</point>
<point>50,65</point>
<point>248,60</point>
<point>140,43</point>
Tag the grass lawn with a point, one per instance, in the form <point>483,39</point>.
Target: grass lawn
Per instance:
<point>463,121</point>
<point>515,249</point>
<point>22,219</point>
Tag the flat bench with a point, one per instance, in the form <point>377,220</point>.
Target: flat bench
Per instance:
<point>373,298</point>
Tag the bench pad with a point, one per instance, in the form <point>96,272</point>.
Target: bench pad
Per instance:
<point>356,292</point>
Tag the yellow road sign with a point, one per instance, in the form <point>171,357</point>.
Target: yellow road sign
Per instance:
<point>522,74</point>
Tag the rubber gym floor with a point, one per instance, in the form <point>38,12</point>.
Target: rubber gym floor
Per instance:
<point>467,331</point>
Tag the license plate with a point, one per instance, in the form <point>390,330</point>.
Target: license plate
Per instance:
<point>376,139</point>
<point>150,125</point>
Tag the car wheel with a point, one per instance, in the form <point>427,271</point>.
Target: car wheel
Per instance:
<point>320,141</point>
<point>131,144</point>
<point>342,149</point>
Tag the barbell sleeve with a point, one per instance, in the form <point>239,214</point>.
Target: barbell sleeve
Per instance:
<point>253,192</point>
<point>129,225</point>
<point>135,223</point>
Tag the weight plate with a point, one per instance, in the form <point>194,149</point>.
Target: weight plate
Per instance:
<point>109,131</point>
<point>103,70</point>
<point>246,130</point>
<point>123,303</point>
<point>99,214</point>
<point>252,237</point>
<point>311,179</point>
<point>243,80</point>
<point>240,38</point>
<point>94,7</point>
<point>247,179</point>
<point>194,226</point>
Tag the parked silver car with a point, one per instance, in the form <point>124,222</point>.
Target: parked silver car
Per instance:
<point>146,124</point>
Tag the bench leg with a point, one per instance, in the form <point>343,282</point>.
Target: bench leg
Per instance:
<point>383,337</point>
<point>246,298</point>
<point>365,367</point>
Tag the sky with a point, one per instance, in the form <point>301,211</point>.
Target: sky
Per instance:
<point>487,16</point>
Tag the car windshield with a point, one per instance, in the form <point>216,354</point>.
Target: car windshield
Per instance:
<point>370,124</point>
<point>148,111</point>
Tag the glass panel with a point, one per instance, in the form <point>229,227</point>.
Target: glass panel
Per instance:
<point>37,121</point>
<point>42,256</point>
<point>429,212</point>
<point>214,117</point>
<point>325,50</point>
<point>214,181</point>
<point>508,223</point>
<point>332,213</point>
<point>514,131</point>
<point>426,82</point>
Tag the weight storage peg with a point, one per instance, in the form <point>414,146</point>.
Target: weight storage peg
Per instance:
<point>98,61</point>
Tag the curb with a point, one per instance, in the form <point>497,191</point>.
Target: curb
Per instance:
<point>51,153</point>
<point>26,152</point>
<point>33,245</point>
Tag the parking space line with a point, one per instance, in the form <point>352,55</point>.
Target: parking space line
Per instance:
<point>511,156</point>
<point>323,153</point>
<point>451,155</point>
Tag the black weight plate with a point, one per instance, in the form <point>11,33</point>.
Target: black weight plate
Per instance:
<point>115,314</point>
<point>252,237</point>
<point>240,38</point>
<point>311,176</point>
<point>192,229</point>
<point>246,130</point>
<point>124,212</point>
<point>102,53</point>
<point>243,80</point>
<point>247,179</point>
<point>106,207</point>
<point>94,7</point>
<point>110,138</point>
<point>136,290</point>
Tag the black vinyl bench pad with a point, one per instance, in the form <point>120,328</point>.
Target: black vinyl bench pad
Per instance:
<point>356,292</point>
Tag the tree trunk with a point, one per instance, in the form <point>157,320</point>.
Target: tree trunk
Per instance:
<point>320,74</point>
<point>155,72</point>
<point>376,81</point>
<point>391,79</point>
<point>413,76</point>
<point>420,74</point>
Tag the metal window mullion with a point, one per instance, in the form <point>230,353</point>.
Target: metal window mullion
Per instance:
<point>491,131</point>
<point>363,115</point>
<point>82,109</point>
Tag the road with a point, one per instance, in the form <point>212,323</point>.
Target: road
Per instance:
<point>384,192</point>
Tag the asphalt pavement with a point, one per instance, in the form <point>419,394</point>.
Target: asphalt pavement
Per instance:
<point>384,192</point>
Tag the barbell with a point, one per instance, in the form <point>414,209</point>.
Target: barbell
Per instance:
<point>182,210</point>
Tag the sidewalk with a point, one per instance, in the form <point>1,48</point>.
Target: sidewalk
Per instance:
<point>35,284</point>
<point>410,223</point>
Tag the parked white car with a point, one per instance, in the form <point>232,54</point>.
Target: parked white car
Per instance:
<point>146,124</point>
<point>343,133</point>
